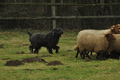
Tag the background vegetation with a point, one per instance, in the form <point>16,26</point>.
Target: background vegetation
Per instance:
<point>16,41</point>
<point>36,11</point>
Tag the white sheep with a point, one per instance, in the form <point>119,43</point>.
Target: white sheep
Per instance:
<point>114,48</point>
<point>89,41</point>
<point>115,45</point>
<point>115,29</point>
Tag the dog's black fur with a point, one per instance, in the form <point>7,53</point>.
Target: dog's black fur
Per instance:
<point>48,40</point>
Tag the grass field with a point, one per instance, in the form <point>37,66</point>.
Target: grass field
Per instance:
<point>16,41</point>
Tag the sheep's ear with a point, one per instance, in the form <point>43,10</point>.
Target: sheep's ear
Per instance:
<point>113,28</point>
<point>107,35</point>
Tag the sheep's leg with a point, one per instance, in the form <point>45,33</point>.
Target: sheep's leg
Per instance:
<point>107,55</point>
<point>100,55</point>
<point>97,57</point>
<point>77,53</point>
<point>91,53</point>
<point>82,54</point>
<point>86,53</point>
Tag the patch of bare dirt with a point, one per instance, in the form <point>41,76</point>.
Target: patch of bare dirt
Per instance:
<point>53,63</point>
<point>13,63</point>
<point>55,69</point>
<point>29,69</point>
<point>87,60</point>
<point>20,52</point>
<point>6,58</point>
<point>1,46</point>
<point>25,44</point>
<point>34,59</point>
<point>25,60</point>
<point>69,50</point>
<point>96,65</point>
<point>40,69</point>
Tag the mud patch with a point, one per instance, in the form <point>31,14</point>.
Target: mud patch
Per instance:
<point>20,52</point>
<point>6,58</point>
<point>53,63</point>
<point>63,55</point>
<point>69,50</point>
<point>13,63</point>
<point>29,69</point>
<point>33,59</point>
<point>55,69</point>
<point>25,44</point>
<point>40,69</point>
<point>1,46</point>
<point>87,60</point>
<point>25,60</point>
<point>96,65</point>
<point>68,66</point>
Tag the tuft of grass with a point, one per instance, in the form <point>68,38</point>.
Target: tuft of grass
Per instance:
<point>16,41</point>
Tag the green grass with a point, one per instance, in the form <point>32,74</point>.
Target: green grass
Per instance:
<point>73,69</point>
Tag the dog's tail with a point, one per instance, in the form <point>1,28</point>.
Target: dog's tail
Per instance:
<point>29,33</point>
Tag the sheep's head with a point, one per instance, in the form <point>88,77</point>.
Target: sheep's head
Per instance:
<point>110,37</point>
<point>115,29</point>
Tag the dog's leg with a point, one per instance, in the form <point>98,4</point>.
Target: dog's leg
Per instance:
<point>36,50</point>
<point>50,50</point>
<point>56,48</point>
<point>31,48</point>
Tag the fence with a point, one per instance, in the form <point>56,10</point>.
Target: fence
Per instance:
<point>53,7</point>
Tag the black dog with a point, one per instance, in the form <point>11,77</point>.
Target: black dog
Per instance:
<point>48,40</point>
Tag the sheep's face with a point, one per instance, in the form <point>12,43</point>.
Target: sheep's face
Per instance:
<point>115,29</point>
<point>110,37</point>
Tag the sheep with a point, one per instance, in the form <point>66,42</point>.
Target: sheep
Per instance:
<point>48,40</point>
<point>83,54</point>
<point>88,41</point>
<point>115,29</point>
<point>92,31</point>
<point>114,55</point>
<point>116,44</point>
<point>114,48</point>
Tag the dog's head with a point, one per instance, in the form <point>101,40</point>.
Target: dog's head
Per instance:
<point>57,32</point>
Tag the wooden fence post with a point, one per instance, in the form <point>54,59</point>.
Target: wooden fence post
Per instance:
<point>53,13</point>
